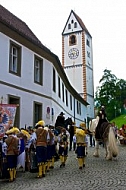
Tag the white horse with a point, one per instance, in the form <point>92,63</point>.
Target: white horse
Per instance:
<point>108,138</point>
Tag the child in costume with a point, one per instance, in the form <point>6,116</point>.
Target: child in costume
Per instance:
<point>81,144</point>
<point>63,147</point>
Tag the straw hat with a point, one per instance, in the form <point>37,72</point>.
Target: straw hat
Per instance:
<point>41,123</point>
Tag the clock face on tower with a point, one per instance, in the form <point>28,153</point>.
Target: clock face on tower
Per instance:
<point>73,53</point>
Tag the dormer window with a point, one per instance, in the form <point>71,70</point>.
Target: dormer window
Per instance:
<point>72,40</point>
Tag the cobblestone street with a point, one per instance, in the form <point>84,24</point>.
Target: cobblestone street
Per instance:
<point>98,174</point>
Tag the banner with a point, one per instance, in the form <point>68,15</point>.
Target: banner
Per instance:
<point>7,117</point>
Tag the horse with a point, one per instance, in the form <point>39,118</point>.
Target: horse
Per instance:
<point>107,138</point>
<point>64,126</point>
<point>67,122</point>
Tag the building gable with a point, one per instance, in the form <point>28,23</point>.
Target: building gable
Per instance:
<point>74,24</point>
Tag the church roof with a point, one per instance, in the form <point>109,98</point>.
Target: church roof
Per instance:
<point>81,23</point>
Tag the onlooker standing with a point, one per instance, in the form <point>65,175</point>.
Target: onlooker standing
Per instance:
<point>74,142</point>
<point>91,135</point>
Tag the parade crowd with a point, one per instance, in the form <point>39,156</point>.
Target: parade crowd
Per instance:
<point>40,146</point>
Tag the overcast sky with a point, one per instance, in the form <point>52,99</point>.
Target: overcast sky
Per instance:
<point>104,19</point>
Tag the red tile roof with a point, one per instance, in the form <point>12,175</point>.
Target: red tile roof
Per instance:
<point>81,23</point>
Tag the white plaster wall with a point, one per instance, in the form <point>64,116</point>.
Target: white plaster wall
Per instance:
<point>75,77</point>
<point>4,56</point>
<point>26,81</point>
<point>78,60</point>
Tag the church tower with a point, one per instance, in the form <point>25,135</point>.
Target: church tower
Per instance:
<point>77,59</point>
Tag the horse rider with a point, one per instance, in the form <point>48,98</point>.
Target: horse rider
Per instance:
<point>12,152</point>
<point>41,148</point>
<point>60,121</point>
<point>81,144</point>
<point>102,118</point>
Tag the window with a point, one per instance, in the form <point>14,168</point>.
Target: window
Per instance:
<point>88,54</point>
<point>66,98</point>
<point>70,102</point>
<point>63,91</point>
<point>78,108</point>
<point>75,25</point>
<point>15,59</point>
<point>72,21</point>
<point>72,40</point>
<point>54,80</point>
<point>15,100</point>
<point>69,26</point>
<point>37,112</point>
<point>59,94</point>
<point>38,70</point>
<point>88,43</point>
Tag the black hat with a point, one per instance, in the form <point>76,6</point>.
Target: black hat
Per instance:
<point>62,113</point>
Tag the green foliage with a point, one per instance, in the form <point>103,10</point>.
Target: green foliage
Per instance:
<point>119,121</point>
<point>112,94</point>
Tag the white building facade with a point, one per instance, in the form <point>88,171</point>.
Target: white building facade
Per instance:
<point>32,77</point>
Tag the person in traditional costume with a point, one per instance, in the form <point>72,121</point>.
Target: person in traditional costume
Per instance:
<point>12,152</point>
<point>41,148</point>
<point>63,147</point>
<point>30,149</point>
<point>53,144</point>
<point>50,138</point>
<point>60,122</point>
<point>102,117</point>
<point>81,144</point>
<point>5,173</point>
<point>23,136</point>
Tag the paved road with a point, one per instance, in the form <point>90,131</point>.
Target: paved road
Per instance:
<point>98,174</point>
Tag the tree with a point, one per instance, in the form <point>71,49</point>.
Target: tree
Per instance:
<point>111,94</point>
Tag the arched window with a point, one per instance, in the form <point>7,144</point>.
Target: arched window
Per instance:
<point>72,21</point>
<point>72,40</point>
<point>69,26</point>
<point>75,25</point>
